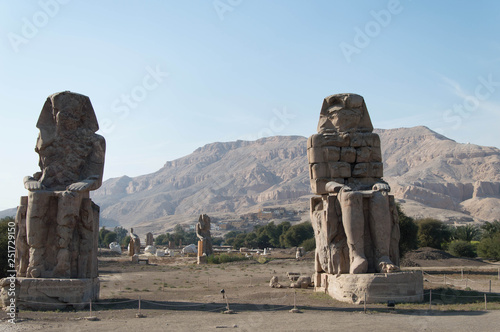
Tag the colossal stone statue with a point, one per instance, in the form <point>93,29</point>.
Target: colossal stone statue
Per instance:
<point>57,224</point>
<point>134,246</point>
<point>203,233</point>
<point>354,219</point>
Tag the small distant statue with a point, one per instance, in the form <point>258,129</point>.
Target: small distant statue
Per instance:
<point>134,247</point>
<point>149,239</point>
<point>58,220</point>
<point>203,233</point>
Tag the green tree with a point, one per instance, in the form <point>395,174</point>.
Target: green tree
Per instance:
<point>102,234</point>
<point>432,233</point>
<point>466,233</point>
<point>217,241</point>
<point>125,241</point>
<point>162,239</point>
<point>461,248</point>
<point>251,240</point>
<point>409,232</point>
<point>309,244</point>
<point>4,245</point>
<point>190,238</point>
<point>297,234</point>
<point>231,234</point>
<point>178,234</point>
<point>120,233</point>
<point>490,228</point>
<point>263,240</point>
<point>238,241</point>
<point>108,238</point>
<point>489,247</point>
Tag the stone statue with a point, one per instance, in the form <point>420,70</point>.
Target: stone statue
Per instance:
<point>355,219</point>
<point>203,233</point>
<point>57,224</point>
<point>61,222</point>
<point>149,239</point>
<point>134,247</point>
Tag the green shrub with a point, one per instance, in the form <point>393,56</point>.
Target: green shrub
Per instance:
<point>489,247</point>
<point>297,234</point>
<point>462,248</point>
<point>432,233</point>
<point>309,244</point>
<point>225,258</point>
<point>408,230</point>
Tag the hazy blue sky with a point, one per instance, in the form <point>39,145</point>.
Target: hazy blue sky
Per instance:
<point>166,77</point>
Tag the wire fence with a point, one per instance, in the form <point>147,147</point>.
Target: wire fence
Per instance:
<point>444,289</point>
<point>491,285</point>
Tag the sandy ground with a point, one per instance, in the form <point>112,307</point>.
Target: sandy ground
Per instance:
<point>178,295</point>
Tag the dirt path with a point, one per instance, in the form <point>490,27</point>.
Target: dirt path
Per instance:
<point>308,320</point>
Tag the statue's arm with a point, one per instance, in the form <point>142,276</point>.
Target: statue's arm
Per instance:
<point>335,187</point>
<point>32,184</point>
<point>381,186</point>
<point>90,183</point>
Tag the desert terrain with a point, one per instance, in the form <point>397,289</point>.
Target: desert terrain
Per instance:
<point>178,295</point>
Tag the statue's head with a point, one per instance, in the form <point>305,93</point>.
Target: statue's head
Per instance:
<point>63,113</point>
<point>344,112</point>
<point>204,219</point>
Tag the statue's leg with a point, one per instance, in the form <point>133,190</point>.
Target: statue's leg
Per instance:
<point>351,203</point>
<point>67,215</point>
<point>380,226</point>
<point>85,230</point>
<point>22,248</point>
<point>36,231</point>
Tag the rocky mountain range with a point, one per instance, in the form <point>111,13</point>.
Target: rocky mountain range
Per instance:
<point>431,175</point>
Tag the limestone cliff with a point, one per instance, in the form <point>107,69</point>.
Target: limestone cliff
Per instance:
<point>430,174</point>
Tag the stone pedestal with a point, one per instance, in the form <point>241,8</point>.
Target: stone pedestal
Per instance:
<point>401,287</point>
<point>53,294</point>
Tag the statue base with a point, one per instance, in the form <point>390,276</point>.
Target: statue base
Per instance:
<point>401,287</point>
<point>53,294</point>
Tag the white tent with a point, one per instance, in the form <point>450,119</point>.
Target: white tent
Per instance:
<point>115,246</point>
<point>190,249</point>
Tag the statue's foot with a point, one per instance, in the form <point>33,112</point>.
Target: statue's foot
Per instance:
<point>358,265</point>
<point>34,272</point>
<point>386,266</point>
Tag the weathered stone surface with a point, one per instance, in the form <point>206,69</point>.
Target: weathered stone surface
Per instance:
<point>52,294</point>
<point>274,283</point>
<point>203,233</point>
<point>134,246</point>
<point>58,222</point>
<point>348,155</point>
<point>149,239</point>
<point>402,287</point>
<point>301,282</point>
<point>355,225</point>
